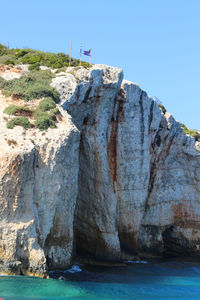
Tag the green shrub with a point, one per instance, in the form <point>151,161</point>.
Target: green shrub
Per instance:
<point>20,53</point>
<point>35,57</point>
<point>162,108</point>
<point>85,65</point>
<point>44,120</point>
<point>54,112</point>
<point>3,50</point>
<point>40,90</point>
<point>16,86</point>
<point>6,93</point>
<point>2,82</point>
<point>191,132</point>
<point>11,85</point>
<point>63,69</point>
<point>35,85</point>
<point>9,62</point>
<point>3,58</point>
<point>41,75</point>
<point>17,110</point>
<point>184,127</point>
<point>35,66</point>
<point>46,104</point>
<point>31,59</point>
<point>20,121</point>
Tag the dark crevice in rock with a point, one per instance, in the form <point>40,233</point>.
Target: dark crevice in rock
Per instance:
<point>93,246</point>
<point>112,153</point>
<point>151,115</point>
<point>157,141</point>
<point>128,241</point>
<point>175,244</point>
<point>113,141</point>
<point>36,164</point>
<point>142,128</point>
<point>78,92</point>
<point>88,92</point>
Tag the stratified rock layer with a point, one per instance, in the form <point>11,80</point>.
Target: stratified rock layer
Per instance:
<point>139,190</point>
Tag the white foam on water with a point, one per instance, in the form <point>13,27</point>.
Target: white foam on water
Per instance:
<point>74,269</point>
<point>136,261</point>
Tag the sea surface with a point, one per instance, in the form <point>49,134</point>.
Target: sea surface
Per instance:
<point>136,280</point>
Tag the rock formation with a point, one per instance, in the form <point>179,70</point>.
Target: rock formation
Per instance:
<point>117,178</point>
<point>139,173</point>
<point>38,191</point>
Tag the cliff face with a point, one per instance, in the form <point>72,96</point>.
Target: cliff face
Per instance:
<point>139,173</point>
<point>38,192</point>
<point>116,178</point>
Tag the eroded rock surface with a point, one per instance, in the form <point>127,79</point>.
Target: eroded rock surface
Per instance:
<point>139,190</point>
<point>115,179</point>
<point>92,106</point>
<point>38,191</point>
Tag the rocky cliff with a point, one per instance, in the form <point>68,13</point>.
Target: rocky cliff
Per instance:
<point>115,179</point>
<point>38,190</point>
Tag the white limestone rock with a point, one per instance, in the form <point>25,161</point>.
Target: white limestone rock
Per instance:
<point>38,190</point>
<point>118,178</point>
<point>138,172</point>
<point>91,106</point>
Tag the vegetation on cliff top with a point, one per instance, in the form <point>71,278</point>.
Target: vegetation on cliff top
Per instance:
<point>35,85</point>
<point>44,115</point>
<point>20,121</point>
<point>191,132</point>
<point>36,58</point>
<point>188,131</point>
<point>162,108</point>
<point>16,110</point>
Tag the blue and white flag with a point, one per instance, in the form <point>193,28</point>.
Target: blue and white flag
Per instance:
<point>88,53</point>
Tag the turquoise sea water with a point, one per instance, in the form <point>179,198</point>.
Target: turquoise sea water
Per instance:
<point>164,280</point>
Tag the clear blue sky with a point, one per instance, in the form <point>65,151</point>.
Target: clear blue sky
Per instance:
<point>155,42</point>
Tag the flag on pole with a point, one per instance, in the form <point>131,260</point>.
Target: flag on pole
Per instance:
<point>81,51</point>
<point>88,53</point>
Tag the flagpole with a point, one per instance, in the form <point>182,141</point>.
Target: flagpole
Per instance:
<point>90,57</point>
<point>81,46</point>
<point>70,52</point>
